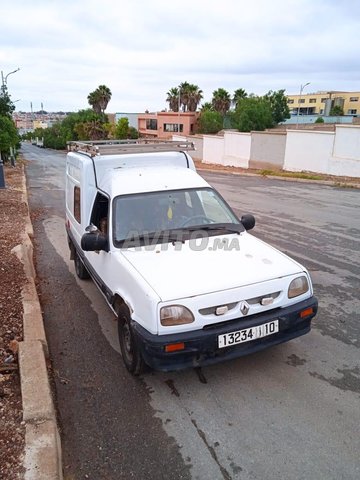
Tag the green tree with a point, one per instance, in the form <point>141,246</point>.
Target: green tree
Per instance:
<point>99,98</point>
<point>279,106</point>
<point>187,96</point>
<point>336,111</point>
<point>319,120</point>
<point>206,106</point>
<point>6,105</point>
<point>195,95</point>
<point>209,121</point>
<point>252,114</point>
<point>172,99</point>
<point>122,128</point>
<point>239,94</point>
<point>8,136</point>
<point>221,101</point>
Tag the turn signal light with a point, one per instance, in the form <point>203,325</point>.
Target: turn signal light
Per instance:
<point>174,347</point>
<point>307,312</point>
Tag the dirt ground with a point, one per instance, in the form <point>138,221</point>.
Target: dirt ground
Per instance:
<point>12,279</point>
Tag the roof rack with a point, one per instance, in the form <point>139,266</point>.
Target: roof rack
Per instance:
<point>121,147</point>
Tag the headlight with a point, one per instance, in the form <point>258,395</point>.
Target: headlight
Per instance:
<point>298,286</point>
<point>175,315</point>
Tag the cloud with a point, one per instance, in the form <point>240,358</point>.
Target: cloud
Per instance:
<point>141,49</point>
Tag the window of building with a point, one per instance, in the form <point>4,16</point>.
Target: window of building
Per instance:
<point>173,127</point>
<point>301,100</point>
<point>323,100</point>
<point>354,99</point>
<point>192,128</point>
<point>312,100</point>
<point>77,205</point>
<point>352,111</point>
<point>151,124</point>
<point>321,111</point>
<point>290,100</point>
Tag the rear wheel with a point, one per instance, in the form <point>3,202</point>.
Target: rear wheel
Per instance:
<point>80,268</point>
<point>129,350</point>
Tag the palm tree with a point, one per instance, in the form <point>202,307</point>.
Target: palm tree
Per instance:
<point>104,94</point>
<point>221,100</point>
<point>206,106</point>
<point>173,99</point>
<point>239,94</point>
<point>100,98</point>
<point>184,88</point>
<point>93,100</point>
<point>195,95</point>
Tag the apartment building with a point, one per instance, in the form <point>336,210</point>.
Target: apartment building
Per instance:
<point>165,124</point>
<point>320,103</point>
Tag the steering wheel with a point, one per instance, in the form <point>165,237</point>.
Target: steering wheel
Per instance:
<point>204,218</point>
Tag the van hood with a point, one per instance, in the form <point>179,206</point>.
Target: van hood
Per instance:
<point>180,270</point>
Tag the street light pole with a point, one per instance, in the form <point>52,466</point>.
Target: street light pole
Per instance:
<point>298,110</point>
<point>179,104</point>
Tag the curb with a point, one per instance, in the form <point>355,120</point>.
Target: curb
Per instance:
<point>42,459</point>
<point>331,183</point>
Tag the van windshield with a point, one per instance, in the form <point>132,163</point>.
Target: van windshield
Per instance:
<point>139,215</point>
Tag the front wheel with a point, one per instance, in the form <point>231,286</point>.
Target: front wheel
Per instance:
<point>80,268</point>
<point>129,350</point>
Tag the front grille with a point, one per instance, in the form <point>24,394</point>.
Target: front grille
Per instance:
<point>250,301</point>
<point>211,326</point>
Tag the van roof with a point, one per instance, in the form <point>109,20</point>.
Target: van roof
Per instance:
<point>119,181</point>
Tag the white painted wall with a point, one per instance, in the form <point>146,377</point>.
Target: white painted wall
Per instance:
<point>347,142</point>
<point>346,153</point>
<point>237,148</point>
<point>267,149</point>
<point>332,153</point>
<point>232,150</point>
<point>308,150</point>
<point>213,149</point>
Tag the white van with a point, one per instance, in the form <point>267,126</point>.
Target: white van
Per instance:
<point>189,285</point>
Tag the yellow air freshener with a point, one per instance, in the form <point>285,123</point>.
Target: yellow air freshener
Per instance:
<point>170,213</point>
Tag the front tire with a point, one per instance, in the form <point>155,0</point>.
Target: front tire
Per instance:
<point>80,268</point>
<point>130,352</point>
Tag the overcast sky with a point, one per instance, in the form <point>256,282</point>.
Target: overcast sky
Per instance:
<point>142,48</point>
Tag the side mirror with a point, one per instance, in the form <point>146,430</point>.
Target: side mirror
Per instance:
<point>248,221</point>
<point>91,242</point>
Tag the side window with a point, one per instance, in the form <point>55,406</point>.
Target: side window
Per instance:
<point>100,213</point>
<point>77,204</point>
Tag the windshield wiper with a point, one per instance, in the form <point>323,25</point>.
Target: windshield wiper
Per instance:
<point>153,238</point>
<point>223,227</point>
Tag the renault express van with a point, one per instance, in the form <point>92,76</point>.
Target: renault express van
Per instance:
<point>189,285</point>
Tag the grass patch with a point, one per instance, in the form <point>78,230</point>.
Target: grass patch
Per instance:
<point>305,176</point>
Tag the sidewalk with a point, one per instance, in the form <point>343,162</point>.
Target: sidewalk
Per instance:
<point>29,439</point>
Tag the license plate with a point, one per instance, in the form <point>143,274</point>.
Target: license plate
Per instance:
<point>248,334</point>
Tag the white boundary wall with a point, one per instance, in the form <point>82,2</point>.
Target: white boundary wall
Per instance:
<point>233,149</point>
<point>324,152</point>
<point>331,153</point>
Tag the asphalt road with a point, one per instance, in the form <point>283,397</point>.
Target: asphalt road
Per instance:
<point>291,412</point>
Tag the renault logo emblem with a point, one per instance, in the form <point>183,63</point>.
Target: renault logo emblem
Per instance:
<point>244,307</point>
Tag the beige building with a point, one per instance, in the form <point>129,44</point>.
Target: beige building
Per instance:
<point>320,103</point>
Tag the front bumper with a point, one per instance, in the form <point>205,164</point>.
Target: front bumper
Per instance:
<point>201,346</point>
